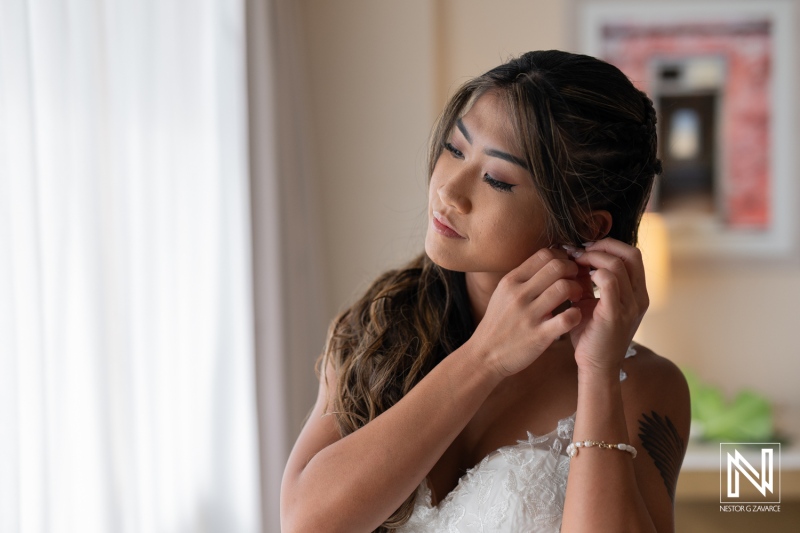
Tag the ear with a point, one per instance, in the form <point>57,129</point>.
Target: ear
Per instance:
<point>599,224</point>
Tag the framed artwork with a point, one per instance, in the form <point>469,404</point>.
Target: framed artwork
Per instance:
<point>721,77</point>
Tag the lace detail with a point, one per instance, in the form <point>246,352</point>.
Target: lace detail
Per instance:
<point>517,488</point>
<point>520,487</point>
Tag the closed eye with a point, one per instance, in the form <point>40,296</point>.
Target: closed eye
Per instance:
<point>453,150</point>
<point>497,184</point>
<point>493,183</point>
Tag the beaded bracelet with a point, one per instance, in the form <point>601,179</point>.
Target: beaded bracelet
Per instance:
<point>572,448</point>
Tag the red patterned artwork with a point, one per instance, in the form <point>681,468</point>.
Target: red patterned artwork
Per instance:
<point>744,138</point>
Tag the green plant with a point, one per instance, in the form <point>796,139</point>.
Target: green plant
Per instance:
<point>748,418</point>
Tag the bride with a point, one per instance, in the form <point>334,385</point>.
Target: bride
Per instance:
<point>492,383</point>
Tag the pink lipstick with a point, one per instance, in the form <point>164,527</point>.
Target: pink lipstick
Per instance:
<point>442,226</point>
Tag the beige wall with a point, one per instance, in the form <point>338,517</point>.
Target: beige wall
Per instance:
<point>372,79</point>
<point>380,70</point>
<point>736,327</point>
<point>475,35</point>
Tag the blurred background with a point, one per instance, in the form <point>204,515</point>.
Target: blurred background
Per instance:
<point>191,191</point>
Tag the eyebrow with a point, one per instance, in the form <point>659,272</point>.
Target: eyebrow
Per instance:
<point>491,151</point>
<point>463,129</point>
<point>508,157</point>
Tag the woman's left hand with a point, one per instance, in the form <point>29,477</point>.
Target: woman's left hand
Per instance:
<point>609,322</point>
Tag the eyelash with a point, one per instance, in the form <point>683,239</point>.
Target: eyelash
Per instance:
<point>453,150</point>
<point>493,183</point>
<point>499,185</point>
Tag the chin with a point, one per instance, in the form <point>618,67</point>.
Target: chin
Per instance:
<point>440,258</point>
<point>461,257</point>
<point>459,263</point>
<point>444,256</point>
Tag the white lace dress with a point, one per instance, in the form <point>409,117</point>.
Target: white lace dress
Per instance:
<point>518,488</point>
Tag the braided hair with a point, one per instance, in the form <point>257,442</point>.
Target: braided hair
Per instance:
<point>588,136</point>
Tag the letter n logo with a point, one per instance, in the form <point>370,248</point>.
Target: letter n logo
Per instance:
<point>744,471</point>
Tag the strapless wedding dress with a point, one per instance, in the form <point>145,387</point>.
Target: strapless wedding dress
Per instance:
<point>516,489</point>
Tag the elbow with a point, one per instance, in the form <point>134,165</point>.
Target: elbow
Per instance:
<point>309,522</point>
<point>306,508</point>
<point>298,515</point>
<point>289,525</point>
<point>299,521</point>
<point>296,519</point>
<point>302,519</point>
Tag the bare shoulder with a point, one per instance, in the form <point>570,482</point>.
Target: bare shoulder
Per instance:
<point>657,412</point>
<point>655,391</point>
<point>655,382</point>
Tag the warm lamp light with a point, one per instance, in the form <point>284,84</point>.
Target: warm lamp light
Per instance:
<point>654,244</point>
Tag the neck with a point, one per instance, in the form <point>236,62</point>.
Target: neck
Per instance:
<point>480,287</point>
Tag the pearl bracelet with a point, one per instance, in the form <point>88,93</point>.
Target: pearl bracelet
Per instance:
<point>572,448</point>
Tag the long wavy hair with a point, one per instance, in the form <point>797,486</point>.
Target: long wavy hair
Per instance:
<point>588,136</point>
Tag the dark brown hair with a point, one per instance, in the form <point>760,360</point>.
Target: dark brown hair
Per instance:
<point>588,136</point>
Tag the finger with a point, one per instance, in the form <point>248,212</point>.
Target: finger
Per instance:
<point>613,265</point>
<point>609,285</point>
<point>540,271</point>
<point>535,263</point>
<point>561,323</point>
<point>630,256</point>
<point>560,291</point>
<point>548,275</point>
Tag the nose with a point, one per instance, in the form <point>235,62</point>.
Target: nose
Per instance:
<point>454,190</point>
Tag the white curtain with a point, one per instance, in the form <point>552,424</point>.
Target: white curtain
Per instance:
<point>290,301</point>
<point>127,389</point>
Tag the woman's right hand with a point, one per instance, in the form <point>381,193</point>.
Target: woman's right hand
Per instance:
<point>519,324</point>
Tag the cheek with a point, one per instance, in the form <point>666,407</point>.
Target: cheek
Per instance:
<point>523,237</point>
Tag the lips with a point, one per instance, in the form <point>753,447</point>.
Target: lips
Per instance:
<point>444,227</point>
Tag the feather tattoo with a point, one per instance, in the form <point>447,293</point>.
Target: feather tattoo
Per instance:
<point>665,446</point>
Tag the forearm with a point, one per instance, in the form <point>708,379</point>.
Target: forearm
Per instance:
<point>602,493</point>
<point>357,482</point>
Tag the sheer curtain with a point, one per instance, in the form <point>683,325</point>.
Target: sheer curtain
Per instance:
<point>127,396</point>
<point>289,295</point>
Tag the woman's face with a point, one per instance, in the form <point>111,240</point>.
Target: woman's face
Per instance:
<point>484,214</point>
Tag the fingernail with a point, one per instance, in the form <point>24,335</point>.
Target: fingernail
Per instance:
<point>592,271</point>
<point>569,247</point>
<point>576,253</point>
<point>588,244</point>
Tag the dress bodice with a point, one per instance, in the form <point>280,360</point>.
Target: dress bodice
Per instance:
<point>517,488</point>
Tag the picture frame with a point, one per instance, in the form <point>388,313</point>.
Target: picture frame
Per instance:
<point>722,76</point>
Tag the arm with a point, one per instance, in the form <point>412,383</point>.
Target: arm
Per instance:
<point>608,490</point>
<point>356,482</point>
